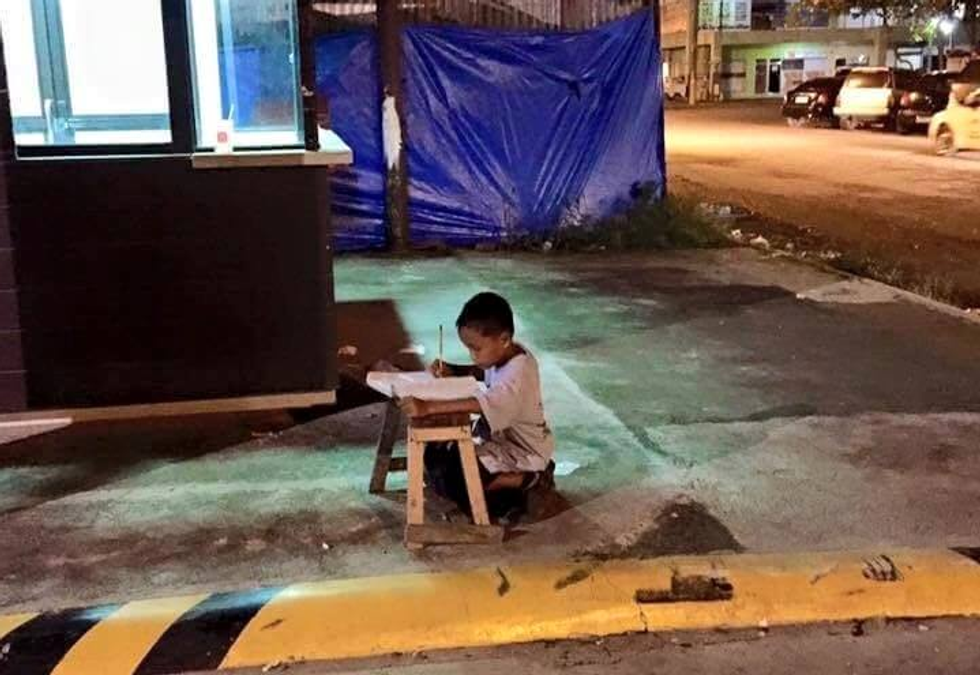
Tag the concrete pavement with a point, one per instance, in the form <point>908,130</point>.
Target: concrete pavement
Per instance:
<point>702,401</point>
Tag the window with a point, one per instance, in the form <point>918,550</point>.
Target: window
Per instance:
<point>246,71</point>
<point>77,78</point>
<point>904,79</point>
<point>867,79</point>
<point>732,14</point>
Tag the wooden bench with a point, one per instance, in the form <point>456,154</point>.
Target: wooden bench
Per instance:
<point>431,429</point>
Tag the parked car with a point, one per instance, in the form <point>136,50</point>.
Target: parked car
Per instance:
<point>928,96</point>
<point>675,88</point>
<point>958,126</point>
<point>812,101</point>
<point>871,96</point>
<point>966,81</point>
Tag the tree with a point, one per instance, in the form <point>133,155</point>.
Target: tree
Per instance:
<point>971,19</point>
<point>913,13</point>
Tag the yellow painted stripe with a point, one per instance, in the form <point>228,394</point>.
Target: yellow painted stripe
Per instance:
<point>365,617</point>
<point>405,613</point>
<point>800,589</point>
<point>117,644</point>
<point>12,622</point>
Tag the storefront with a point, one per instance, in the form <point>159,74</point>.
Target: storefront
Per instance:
<point>166,210</point>
<point>772,70</point>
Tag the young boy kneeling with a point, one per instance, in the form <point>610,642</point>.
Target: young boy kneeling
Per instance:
<point>514,445</point>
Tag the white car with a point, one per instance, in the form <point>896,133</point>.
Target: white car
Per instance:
<point>958,126</point>
<point>871,96</point>
<point>675,88</point>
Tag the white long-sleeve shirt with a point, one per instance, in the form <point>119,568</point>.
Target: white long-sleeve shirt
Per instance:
<point>520,439</point>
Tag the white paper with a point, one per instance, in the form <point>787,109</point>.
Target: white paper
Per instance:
<point>423,386</point>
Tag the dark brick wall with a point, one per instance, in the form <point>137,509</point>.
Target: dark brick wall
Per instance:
<point>143,280</point>
<point>12,384</point>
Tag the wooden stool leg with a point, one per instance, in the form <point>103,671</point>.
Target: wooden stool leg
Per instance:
<point>386,443</point>
<point>416,470</point>
<point>474,486</point>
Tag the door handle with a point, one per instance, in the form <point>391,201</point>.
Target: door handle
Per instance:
<point>48,121</point>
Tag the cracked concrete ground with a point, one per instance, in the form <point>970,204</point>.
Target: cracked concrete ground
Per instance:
<point>702,401</point>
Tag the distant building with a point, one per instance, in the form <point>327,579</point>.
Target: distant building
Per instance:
<point>763,48</point>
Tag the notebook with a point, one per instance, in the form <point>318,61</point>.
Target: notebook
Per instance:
<point>423,386</point>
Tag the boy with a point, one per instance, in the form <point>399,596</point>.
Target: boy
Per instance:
<point>514,445</point>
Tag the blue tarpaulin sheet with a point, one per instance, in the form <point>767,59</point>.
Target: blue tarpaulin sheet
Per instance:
<point>348,77</point>
<point>509,134</point>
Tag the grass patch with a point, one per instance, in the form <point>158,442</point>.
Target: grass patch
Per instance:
<point>649,224</point>
<point>933,286</point>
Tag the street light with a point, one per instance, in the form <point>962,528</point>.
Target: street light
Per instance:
<point>946,26</point>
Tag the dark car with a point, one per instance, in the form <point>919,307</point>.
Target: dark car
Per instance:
<point>967,80</point>
<point>925,98</point>
<point>812,101</point>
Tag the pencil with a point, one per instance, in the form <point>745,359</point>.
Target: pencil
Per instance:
<point>439,373</point>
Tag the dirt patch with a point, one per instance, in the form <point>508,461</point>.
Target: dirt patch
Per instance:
<point>872,244</point>
<point>683,528</point>
<point>935,458</point>
<point>82,566</point>
<point>680,528</point>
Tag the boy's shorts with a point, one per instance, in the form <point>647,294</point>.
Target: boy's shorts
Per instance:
<point>444,475</point>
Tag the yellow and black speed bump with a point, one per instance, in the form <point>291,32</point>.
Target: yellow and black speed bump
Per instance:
<point>201,638</point>
<point>353,618</point>
<point>198,639</point>
<point>39,645</point>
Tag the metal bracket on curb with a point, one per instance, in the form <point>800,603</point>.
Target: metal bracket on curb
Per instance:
<point>881,568</point>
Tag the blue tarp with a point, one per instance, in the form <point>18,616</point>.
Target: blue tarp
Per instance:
<point>509,133</point>
<point>347,76</point>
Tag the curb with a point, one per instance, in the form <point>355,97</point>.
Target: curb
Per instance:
<point>485,607</point>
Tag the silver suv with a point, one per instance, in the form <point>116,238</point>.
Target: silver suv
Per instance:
<point>871,96</point>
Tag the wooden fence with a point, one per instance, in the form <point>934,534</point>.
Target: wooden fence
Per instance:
<point>497,14</point>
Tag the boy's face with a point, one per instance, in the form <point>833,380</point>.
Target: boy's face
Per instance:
<point>485,350</point>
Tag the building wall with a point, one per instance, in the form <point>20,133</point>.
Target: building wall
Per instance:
<point>810,51</point>
<point>13,393</point>
<point>817,60</point>
<point>143,280</point>
<point>673,16</point>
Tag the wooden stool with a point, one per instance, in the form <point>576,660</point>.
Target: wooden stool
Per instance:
<point>384,463</point>
<point>422,430</point>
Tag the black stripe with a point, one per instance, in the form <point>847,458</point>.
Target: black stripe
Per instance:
<point>201,637</point>
<point>971,552</point>
<point>36,647</point>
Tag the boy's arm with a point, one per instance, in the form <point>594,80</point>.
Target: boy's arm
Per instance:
<point>414,407</point>
<point>443,369</point>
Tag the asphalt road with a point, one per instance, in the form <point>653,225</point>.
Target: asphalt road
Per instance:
<point>942,647</point>
<point>873,194</point>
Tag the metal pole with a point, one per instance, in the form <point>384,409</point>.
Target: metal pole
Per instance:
<point>692,51</point>
<point>717,59</point>
<point>307,74</point>
<point>393,123</point>
<point>654,6</point>
<point>8,146</point>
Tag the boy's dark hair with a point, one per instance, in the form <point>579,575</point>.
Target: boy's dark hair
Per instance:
<point>488,314</point>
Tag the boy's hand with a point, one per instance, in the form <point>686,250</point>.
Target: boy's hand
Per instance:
<point>440,369</point>
<point>413,407</point>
